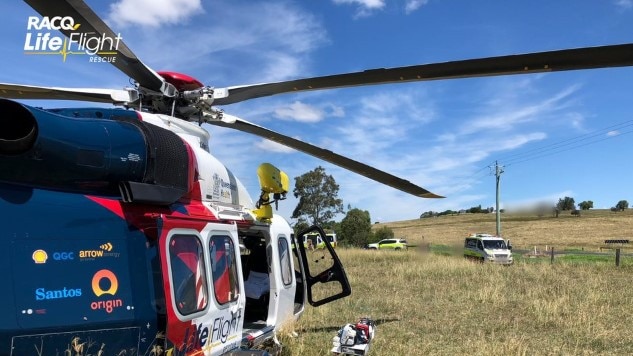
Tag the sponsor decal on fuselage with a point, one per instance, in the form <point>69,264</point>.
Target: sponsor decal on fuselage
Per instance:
<point>41,256</point>
<point>219,331</point>
<point>48,294</point>
<point>105,250</point>
<point>110,287</point>
<point>222,188</point>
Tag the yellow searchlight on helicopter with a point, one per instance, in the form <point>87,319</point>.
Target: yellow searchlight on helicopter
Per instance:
<point>272,181</point>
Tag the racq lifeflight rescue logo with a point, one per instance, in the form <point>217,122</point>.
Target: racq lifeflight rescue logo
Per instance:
<point>41,40</point>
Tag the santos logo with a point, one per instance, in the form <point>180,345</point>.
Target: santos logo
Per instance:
<point>105,282</point>
<point>44,294</point>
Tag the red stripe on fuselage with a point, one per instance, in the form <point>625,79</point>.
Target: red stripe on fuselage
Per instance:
<point>143,216</point>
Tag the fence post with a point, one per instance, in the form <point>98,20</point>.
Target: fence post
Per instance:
<point>551,261</point>
<point>617,257</point>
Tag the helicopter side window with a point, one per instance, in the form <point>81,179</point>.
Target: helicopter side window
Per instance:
<point>224,269</point>
<point>284,256</point>
<point>188,273</point>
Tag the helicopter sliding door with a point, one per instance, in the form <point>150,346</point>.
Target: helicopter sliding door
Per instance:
<point>202,286</point>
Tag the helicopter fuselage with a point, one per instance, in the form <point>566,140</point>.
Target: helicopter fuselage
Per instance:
<point>122,233</point>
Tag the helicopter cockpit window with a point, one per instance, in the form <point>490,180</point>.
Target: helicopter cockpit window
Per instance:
<point>188,273</point>
<point>224,269</point>
<point>284,256</point>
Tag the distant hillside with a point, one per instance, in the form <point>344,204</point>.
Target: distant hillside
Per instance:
<point>525,231</point>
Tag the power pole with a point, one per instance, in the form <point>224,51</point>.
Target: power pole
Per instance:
<point>498,171</point>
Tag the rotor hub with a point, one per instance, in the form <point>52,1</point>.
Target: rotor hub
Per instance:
<point>182,82</point>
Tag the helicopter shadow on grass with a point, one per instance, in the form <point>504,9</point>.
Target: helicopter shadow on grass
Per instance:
<point>337,328</point>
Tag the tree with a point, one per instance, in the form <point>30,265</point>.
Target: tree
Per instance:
<point>622,205</point>
<point>475,209</point>
<point>318,197</point>
<point>447,212</point>
<point>300,226</point>
<point>356,228</point>
<point>383,233</point>
<point>566,203</point>
<point>333,226</point>
<point>586,205</point>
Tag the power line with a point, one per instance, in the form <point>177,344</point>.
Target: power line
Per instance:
<point>568,144</point>
<point>517,161</point>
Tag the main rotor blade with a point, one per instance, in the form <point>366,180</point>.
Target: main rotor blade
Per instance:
<point>551,61</point>
<point>91,23</point>
<point>233,122</point>
<point>113,96</point>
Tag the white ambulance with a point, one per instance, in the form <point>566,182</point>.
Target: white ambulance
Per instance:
<point>488,248</point>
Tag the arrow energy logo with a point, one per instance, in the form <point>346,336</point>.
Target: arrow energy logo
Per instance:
<point>40,40</point>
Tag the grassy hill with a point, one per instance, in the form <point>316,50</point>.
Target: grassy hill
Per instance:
<point>525,231</point>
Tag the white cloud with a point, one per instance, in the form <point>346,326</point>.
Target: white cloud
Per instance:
<point>465,152</point>
<point>576,120</point>
<point>368,4</point>
<point>336,111</point>
<point>613,133</point>
<point>364,7</point>
<point>624,4</point>
<point>153,13</point>
<point>300,112</point>
<point>413,5</point>
<point>249,43</point>
<point>279,65</point>
<point>505,116</point>
<point>384,119</point>
<point>272,146</point>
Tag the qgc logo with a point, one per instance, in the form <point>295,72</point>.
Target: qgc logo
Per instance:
<point>40,256</point>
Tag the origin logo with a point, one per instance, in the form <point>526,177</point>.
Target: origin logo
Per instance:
<point>111,287</point>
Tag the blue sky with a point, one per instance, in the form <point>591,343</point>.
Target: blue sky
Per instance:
<point>557,134</point>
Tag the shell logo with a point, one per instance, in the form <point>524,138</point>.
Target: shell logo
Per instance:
<point>39,256</point>
<point>96,281</point>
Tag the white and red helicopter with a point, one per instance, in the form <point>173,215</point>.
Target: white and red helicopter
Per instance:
<point>124,235</point>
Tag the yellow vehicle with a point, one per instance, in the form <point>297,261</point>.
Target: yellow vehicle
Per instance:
<point>488,248</point>
<point>314,241</point>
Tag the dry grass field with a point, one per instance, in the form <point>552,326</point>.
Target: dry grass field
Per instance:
<point>525,231</point>
<point>430,304</point>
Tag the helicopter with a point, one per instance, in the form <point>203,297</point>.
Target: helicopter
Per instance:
<point>125,235</point>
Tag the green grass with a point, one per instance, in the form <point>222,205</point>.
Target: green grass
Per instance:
<point>430,300</point>
<point>432,304</point>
